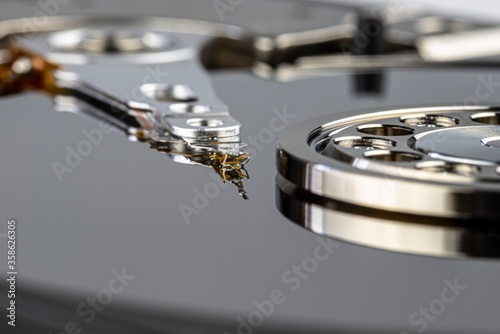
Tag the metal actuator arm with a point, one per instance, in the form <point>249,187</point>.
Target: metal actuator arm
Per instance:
<point>194,134</point>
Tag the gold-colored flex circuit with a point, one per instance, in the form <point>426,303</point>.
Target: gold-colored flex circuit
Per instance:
<point>23,70</point>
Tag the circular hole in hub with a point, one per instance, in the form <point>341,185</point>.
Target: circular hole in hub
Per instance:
<point>429,121</point>
<point>204,122</point>
<point>364,143</point>
<point>390,156</point>
<point>169,93</point>
<point>385,130</point>
<point>493,142</point>
<point>490,118</point>
<point>447,167</point>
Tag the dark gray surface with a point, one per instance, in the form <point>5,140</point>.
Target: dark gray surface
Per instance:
<point>120,208</point>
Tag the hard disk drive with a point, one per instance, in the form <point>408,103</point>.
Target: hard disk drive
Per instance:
<point>353,180</point>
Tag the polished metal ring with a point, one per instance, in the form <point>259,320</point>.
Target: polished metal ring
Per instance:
<point>419,180</point>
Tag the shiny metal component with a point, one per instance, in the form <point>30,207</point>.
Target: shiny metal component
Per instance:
<point>22,66</point>
<point>450,47</point>
<point>110,41</point>
<point>141,121</point>
<point>410,40</point>
<point>415,180</point>
<point>181,116</point>
<point>186,107</point>
<point>170,93</point>
<point>180,76</point>
<point>127,193</point>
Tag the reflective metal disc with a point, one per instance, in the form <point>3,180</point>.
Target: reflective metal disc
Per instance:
<point>418,180</point>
